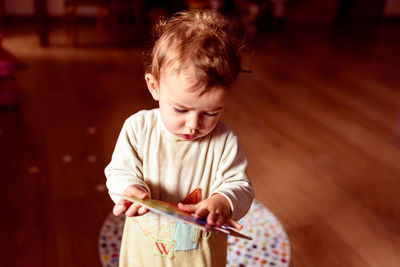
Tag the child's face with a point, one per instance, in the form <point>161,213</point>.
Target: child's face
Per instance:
<point>184,112</point>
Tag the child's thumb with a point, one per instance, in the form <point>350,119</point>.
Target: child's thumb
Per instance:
<point>187,207</point>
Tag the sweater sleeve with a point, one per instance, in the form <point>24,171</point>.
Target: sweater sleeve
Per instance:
<point>125,168</point>
<point>232,181</point>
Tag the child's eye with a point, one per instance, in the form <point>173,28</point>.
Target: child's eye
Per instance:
<point>180,110</point>
<point>210,114</point>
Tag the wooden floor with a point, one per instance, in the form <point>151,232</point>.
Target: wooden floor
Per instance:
<point>319,118</point>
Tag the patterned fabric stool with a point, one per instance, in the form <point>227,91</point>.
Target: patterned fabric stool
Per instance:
<point>269,247</point>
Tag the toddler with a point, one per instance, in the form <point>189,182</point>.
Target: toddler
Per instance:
<point>183,147</point>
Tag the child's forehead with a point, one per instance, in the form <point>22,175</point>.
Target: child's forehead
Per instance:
<point>179,71</point>
<point>183,80</point>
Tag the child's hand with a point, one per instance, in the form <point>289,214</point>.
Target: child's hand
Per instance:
<point>131,209</point>
<point>216,208</point>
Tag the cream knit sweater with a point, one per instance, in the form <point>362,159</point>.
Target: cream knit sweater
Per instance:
<point>146,154</point>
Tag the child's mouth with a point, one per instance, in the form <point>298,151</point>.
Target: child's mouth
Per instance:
<point>188,136</point>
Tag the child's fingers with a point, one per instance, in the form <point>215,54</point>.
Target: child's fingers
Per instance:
<point>216,218</point>
<point>121,207</point>
<point>187,208</point>
<point>200,213</point>
<point>220,221</point>
<point>137,192</point>
<point>118,209</point>
<point>142,210</point>
<point>132,210</point>
<point>125,206</point>
<point>213,217</point>
<point>234,224</point>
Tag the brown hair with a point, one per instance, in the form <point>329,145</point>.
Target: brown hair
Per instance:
<point>201,39</point>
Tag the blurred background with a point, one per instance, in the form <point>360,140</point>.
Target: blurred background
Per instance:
<point>318,115</point>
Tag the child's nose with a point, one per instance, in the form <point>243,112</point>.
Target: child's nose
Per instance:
<point>192,122</point>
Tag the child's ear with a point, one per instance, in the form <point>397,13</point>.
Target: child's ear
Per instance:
<point>152,85</point>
